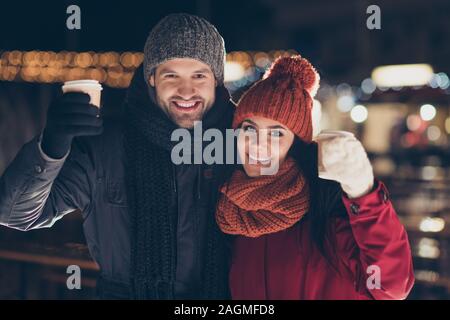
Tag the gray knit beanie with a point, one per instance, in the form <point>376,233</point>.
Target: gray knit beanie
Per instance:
<point>182,35</point>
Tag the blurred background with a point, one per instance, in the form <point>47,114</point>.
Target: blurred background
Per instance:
<point>389,86</point>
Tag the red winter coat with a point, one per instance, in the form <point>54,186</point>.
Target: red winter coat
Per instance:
<point>284,265</point>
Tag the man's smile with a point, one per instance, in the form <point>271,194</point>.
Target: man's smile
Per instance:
<point>186,106</point>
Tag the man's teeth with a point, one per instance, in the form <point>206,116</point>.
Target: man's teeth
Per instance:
<point>186,104</point>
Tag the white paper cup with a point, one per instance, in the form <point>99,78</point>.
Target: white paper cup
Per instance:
<point>92,87</point>
<point>325,135</point>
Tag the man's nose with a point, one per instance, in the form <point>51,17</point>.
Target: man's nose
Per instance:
<point>186,90</point>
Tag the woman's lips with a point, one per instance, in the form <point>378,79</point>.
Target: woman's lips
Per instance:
<point>259,160</point>
<point>186,106</point>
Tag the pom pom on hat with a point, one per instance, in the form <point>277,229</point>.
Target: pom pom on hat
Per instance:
<point>297,68</point>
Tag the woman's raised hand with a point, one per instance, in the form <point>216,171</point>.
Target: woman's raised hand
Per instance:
<point>343,159</point>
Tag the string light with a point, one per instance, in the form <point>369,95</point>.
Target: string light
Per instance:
<point>113,68</point>
<point>359,113</point>
<point>447,125</point>
<point>427,112</point>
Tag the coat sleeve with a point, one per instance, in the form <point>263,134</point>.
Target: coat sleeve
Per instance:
<point>383,246</point>
<point>36,191</point>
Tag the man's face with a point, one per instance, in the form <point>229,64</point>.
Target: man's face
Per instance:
<point>185,90</point>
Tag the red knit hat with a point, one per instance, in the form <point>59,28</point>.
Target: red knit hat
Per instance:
<point>284,94</point>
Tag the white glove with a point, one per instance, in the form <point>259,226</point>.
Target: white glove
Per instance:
<point>343,159</point>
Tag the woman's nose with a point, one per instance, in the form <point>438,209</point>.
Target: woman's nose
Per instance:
<point>259,145</point>
<point>264,146</point>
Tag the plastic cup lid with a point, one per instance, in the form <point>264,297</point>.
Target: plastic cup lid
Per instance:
<point>78,83</point>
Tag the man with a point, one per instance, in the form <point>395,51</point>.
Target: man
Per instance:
<point>149,224</point>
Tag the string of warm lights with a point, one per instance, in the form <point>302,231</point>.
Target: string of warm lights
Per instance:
<point>111,68</point>
<point>242,68</point>
<point>116,69</point>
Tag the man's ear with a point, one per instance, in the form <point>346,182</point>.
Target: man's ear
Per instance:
<point>151,81</point>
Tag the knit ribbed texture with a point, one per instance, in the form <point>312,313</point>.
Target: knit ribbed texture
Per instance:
<point>285,94</point>
<point>256,206</point>
<point>182,35</point>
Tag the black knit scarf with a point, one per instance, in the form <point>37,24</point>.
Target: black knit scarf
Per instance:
<point>150,179</point>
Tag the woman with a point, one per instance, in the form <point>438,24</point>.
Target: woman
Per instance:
<point>299,236</point>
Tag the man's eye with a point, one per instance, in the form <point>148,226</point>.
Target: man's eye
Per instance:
<point>170,76</point>
<point>199,76</point>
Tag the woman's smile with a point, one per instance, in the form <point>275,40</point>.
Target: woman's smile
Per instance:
<point>264,161</point>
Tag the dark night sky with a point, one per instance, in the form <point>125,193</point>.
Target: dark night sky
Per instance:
<point>332,33</point>
<point>120,25</point>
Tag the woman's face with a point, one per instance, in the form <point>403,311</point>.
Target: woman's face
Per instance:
<point>263,144</point>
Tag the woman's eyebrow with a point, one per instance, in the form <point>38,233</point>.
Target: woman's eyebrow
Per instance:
<point>250,121</point>
<point>269,127</point>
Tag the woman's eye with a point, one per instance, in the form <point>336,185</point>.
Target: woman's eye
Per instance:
<point>276,133</point>
<point>248,129</point>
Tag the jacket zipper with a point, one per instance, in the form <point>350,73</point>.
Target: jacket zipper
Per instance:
<point>175,254</point>
<point>174,178</point>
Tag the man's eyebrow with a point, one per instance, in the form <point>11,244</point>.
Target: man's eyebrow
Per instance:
<point>166,70</point>
<point>202,70</point>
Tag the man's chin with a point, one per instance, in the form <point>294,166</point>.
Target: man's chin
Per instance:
<point>188,126</point>
<point>185,123</point>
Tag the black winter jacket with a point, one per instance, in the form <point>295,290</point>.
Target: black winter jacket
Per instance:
<point>36,191</point>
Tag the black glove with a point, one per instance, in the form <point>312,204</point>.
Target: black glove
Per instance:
<point>69,116</point>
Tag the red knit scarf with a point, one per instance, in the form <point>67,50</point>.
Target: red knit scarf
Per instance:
<point>266,204</point>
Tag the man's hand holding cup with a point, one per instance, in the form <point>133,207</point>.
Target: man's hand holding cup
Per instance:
<point>75,113</point>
